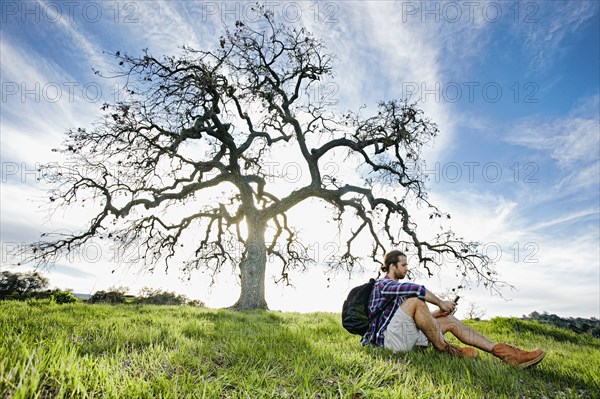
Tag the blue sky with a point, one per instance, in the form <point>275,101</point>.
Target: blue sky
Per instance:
<point>513,86</point>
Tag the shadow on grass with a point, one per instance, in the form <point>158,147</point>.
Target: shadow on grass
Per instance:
<point>488,376</point>
<point>555,333</point>
<point>585,388</point>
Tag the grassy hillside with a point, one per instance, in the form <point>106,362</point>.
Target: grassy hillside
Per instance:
<point>134,351</point>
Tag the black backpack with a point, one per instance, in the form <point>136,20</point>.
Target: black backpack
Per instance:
<point>355,312</point>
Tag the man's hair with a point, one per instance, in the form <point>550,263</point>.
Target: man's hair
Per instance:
<point>389,258</point>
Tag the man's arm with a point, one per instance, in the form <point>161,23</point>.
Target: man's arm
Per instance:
<point>408,290</point>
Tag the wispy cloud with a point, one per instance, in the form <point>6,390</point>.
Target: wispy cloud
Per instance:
<point>81,39</point>
<point>569,140</point>
<point>379,55</point>
<point>569,218</point>
<point>551,23</point>
<point>533,253</point>
<point>48,95</point>
<point>163,27</point>
<point>573,141</point>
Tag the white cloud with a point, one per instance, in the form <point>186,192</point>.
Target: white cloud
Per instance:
<point>549,270</point>
<point>569,140</point>
<point>581,181</point>
<point>585,214</point>
<point>572,141</point>
<point>380,57</point>
<point>44,101</point>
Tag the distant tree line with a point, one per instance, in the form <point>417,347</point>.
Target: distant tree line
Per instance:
<point>578,324</point>
<point>33,285</point>
<point>147,296</point>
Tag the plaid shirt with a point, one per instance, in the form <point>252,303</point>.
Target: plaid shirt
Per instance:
<point>389,293</point>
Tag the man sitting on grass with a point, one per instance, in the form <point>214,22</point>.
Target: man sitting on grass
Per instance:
<point>406,322</point>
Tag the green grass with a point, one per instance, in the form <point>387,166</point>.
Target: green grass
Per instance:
<point>133,351</point>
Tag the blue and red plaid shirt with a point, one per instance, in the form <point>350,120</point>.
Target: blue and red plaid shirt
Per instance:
<point>389,293</point>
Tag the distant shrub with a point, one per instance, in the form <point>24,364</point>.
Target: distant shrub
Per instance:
<point>16,296</point>
<point>21,286</point>
<point>197,303</point>
<point>149,296</point>
<point>62,297</point>
<point>13,296</point>
<point>109,297</point>
<point>122,289</point>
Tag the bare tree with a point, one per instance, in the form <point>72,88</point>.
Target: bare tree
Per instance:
<point>205,123</point>
<point>474,312</point>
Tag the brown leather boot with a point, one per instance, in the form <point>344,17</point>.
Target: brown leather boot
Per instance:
<point>460,352</point>
<point>518,357</point>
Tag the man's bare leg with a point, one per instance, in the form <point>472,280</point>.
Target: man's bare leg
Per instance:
<point>418,310</point>
<point>464,333</point>
<point>433,329</point>
<point>508,353</point>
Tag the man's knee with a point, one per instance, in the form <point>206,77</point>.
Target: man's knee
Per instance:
<point>414,301</point>
<point>449,323</point>
<point>411,305</point>
<point>419,303</point>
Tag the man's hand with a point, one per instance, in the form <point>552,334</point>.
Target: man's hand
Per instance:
<point>447,307</point>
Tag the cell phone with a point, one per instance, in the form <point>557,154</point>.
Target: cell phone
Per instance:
<point>456,299</point>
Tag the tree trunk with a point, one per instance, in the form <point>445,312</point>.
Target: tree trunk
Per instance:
<point>252,269</point>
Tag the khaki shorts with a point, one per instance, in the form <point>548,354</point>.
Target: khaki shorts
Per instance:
<point>402,334</point>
